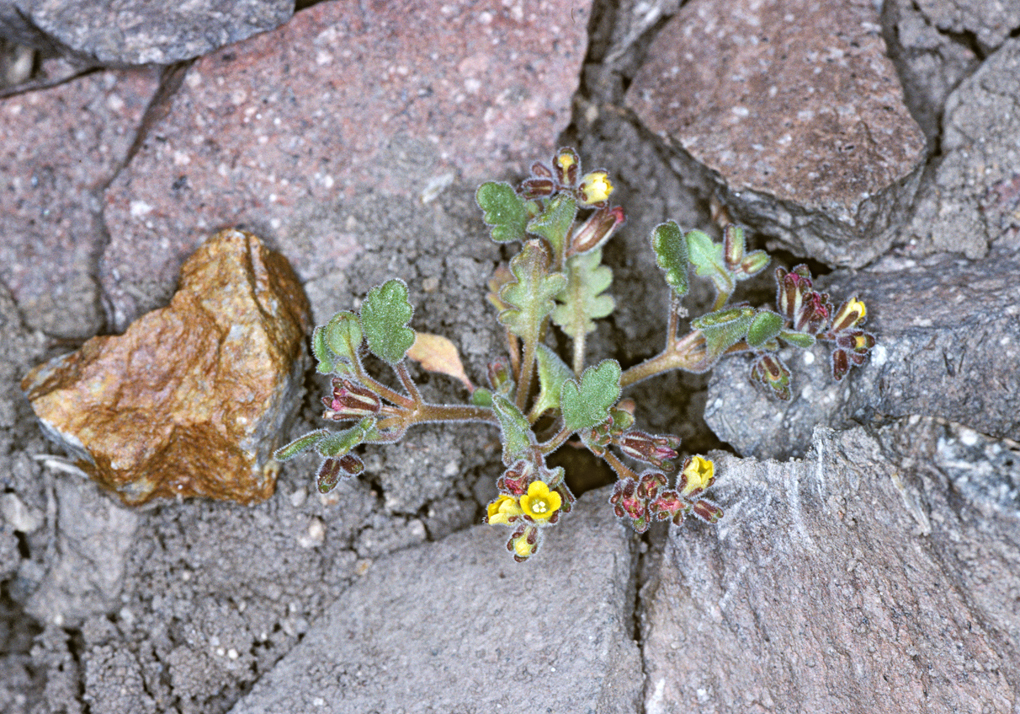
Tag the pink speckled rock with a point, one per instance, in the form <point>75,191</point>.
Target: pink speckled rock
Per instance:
<point>266,131</point>
<point>59,148</point>
<point>799,112</point>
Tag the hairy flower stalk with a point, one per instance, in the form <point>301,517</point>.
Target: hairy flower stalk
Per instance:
<point>561,218</point>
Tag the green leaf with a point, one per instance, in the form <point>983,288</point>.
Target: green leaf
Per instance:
<point>555,222</point>
<point>580,302</point>
<point>672,255</point>
<point>338,443</point>
<point>481,397</point>
<point>517,436</point>
<point>342,335</point>
<point>300,445</point>
<point>504,210</point>
<point>724,328</point>
<point>586,403</point>
<point>797,339</point>
<point>323,355</point>
<point>766,326</point>
<point>530,296</point>
<point>384,316</point>
<point>552,373</point>
<point>707,257</point>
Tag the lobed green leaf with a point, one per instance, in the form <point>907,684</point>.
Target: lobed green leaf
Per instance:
<point>724,328</point>
<point>586,403</point>
<point>504,210</point>
<point>552,373</point>
<point>530,295</point>
<point>707,257</point>
<point>555,222</point>
<point>384,317</point>
<point>580,302</point>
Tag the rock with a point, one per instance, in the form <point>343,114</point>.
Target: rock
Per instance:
<point>137,31</point>
<point>971,197</point>
<point>930,64</point>
<point>194,397</point>
<point>391,100</point>
<point>62,146</point>
<point>862,579</point>
<point>948,345</point>
<point>94,535</point>
<point>802,121</point>
<point>510,637</point>
<point>990,21</point>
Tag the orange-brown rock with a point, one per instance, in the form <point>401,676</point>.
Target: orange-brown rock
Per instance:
<point>192,399</point>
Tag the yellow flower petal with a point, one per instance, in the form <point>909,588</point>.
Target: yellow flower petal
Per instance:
<point>539,502</point>
<point>698,475</point>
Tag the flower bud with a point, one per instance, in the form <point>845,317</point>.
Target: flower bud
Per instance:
<point>537,188</point>
<point>754,262</point>
<point>669,506</point>
<point>655,450</point>
<point>771,373</point>
<point>707,511</point>
<point>500,378</point>
<point>350,401</point>
<point>540,170</point>
<point>697,475</point>
<point>504,510</point>
<point>733,246</point>
<point>851,314</point>
<point>515,479</point>
<point>566,166</point>
<point>329,475</point>
<point>524,542</point>
<point>595,231</point>
<point>594,188</point>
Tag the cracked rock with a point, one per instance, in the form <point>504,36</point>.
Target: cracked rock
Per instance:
<point>126,32</point>
<point>990,21</point>
<point>948,344</point>
<point>61,147</point>
<point>866,578</point>
<point>802,122</point>
<point>486,623</point>
<point>344,101</point>
<point>971,198</point>
<point>193,398</point>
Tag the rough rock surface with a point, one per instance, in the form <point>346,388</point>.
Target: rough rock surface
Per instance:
<point>870,577</point>
<point>61,147</point>
<point>119,32</point>
<point>331,106</point>
<point>804,122</point>
<point>971,197</point>
<point>990,21</point>
<point>948,345</point>
<point>192,399</point>
<point>489,635</point>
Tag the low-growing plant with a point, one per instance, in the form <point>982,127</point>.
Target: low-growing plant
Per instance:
<point>535,398</point>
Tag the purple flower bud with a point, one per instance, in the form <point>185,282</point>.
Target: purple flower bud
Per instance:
<point>733,246</point>
<point>669,506</point>
<point>771,373</point>
<point>541,170</point>
<point>655,450</point>
<point>707,511</point>
<point>566,166</point>
<point>350,401</point>
<point>537,188</point>
<point>595,231</point>
<point>515,480</point>
<point>498,373</point>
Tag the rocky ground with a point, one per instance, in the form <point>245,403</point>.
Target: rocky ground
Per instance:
<point>869,559</point>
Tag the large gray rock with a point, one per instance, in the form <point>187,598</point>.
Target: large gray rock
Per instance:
<point>458,626</point>
<point>990,21</point>
<point>797,112</point>
<point>877,576</point>
<point>119,32</point>
<point>971,197</point>
<point>948,346</point>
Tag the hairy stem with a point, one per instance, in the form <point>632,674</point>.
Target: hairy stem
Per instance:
<point>621,469</point>
<point>409,385</point>
<point>579,353</point>
<point>686,353</point>
<point>382,390</point>
<point>527,370</point>
<point>556,442</point>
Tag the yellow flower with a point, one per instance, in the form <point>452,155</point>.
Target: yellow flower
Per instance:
<point>698,474</point>
<point>566,159</point>
<point>502,509</point>
<point>851,314</point>
<point>539,502</point>
<point>594,188</point>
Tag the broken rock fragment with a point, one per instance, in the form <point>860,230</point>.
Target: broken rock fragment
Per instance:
<point>191,399</point>
<point>797,112</point>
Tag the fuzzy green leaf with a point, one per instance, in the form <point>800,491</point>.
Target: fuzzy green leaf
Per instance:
<point>481,397</point>
<point>325,357</point>
<point>530,295</point>
<point>555,221</point>
<point>504,210</point>
<point>580,302</point>
<point>797,339</point>
<point>672,255</point>
<point>342,334</point>
<point>338,443</point>
<point>516,431</point>
<point>300,445</point>
<point>707,257</point>
<point>552,373</point>
<point>766,326</point>
<point>724,328</point>
<point>586,403</point>
<point>384,317</point>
